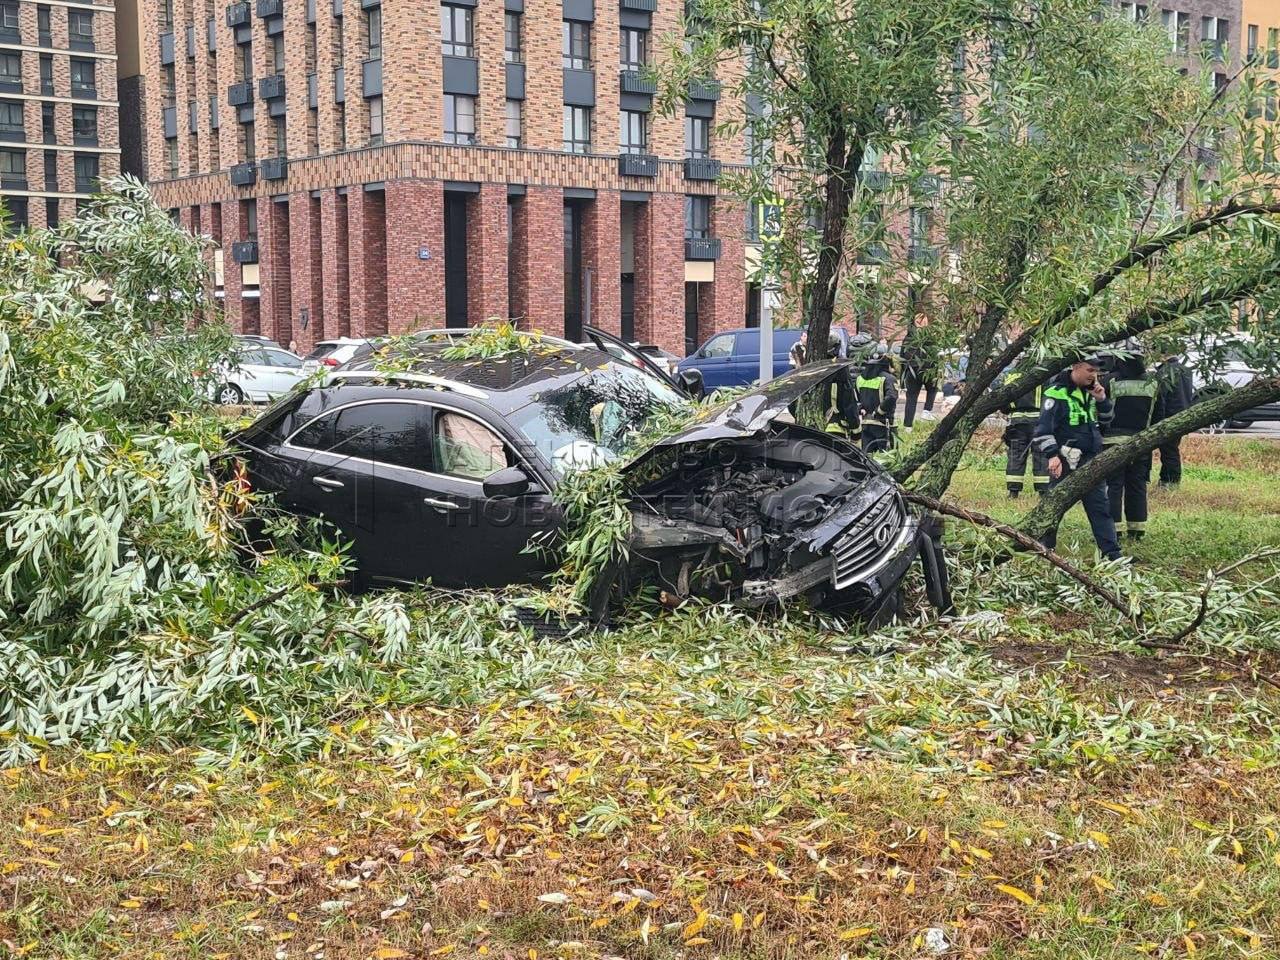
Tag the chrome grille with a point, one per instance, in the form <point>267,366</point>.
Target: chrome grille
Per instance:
<point>866,540</point>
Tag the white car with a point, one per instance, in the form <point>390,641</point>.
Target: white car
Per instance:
<point>262,374</point>
<point>331,353</point>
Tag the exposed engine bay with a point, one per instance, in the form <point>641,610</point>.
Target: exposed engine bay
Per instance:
<point>759,519</point>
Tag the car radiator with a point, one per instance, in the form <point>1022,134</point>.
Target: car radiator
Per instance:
<point>866,540</point>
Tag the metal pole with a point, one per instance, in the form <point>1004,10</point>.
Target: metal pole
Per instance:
<point>766,333</point>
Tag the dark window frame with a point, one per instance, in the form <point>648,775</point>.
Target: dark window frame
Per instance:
<point>457,31</point>
<point>455,133</point>
<point>575,45</point>
<point>633,132</point>
<point>576,119</point>
<point>513,38</point>
<point>697,217</point>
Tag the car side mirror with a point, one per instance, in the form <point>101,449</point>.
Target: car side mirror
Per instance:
<point>691,382</point>
<point>507,482</point>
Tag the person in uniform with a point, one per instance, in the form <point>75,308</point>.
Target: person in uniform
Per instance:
<point>1068,435</point>
<point>1176,393</point>
<point>1023,412</point>
<point>877,402</point>
<point>1133,397</point>
<point>840,412</point>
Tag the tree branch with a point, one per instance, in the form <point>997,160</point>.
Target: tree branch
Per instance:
<point>1175,641</point>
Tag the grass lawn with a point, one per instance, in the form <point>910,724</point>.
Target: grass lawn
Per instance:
<point>1020,782</point>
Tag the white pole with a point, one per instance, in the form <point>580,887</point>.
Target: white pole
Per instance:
<point>766,333</point>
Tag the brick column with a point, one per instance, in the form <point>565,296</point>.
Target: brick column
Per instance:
<point>305,268</point>
<point>366,261</point>
<point>538,249</point>
<point>231,279</point>
<point>602,255</point>
<point>544,76</point>
<point>335,286</point>
<point>273,270</point>
<point>415,222</point>
<point>659,272</point>
<point>723,305</point>
<point>487,253</point>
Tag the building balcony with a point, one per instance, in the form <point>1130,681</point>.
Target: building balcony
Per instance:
<point>15,86</point>
<point>701,168</point>
<point>273,168</point>
<point>245,251</point>
<point>271,88</point>
<point>923,254</point>
<point>704,89</point>
<point>638,165</point>
<point>633,81</point>
<point>83,91</point>
<point>702,248</point>
<point>244,174</point>
<point>640,6</point>
<point>166,49</point>
<point>18,135</point>
<point>86,46</point>
<point>239,94</point>
<point>270,8</point>
<point>10,182</point>
<point>238,14</point>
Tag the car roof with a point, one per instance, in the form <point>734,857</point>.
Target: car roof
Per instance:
<point>505,382</point>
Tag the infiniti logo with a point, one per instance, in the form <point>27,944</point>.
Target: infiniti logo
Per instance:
<point>881,535</point>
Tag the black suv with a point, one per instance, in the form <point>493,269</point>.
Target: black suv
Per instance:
<point>442,470</point>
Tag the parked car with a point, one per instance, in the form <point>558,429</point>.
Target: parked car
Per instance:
<point>260,374</point>
<point>444,470</point>
<point>257,339</point>
<point>732,358</point>
<point>332,353</point>
<point>1224,365</point>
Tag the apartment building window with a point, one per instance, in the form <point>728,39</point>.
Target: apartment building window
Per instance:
<point>1135,12</point>
<point>170,92</point>
<point>249,213</point>
<point>515,123</point>
<point>48,123</point>
<point>51,212</point>
<point>13,166</point>
<point>1214,33</point>
<point>277,53</point>
<point>50,170</point>
<point>634,53</point>
<point>1178,26</point>
<point>633,136</point>
<point>697,218</point>
<point>340,122</point>
<point>86,166</point>
<point>248,141</point>
<point>457,31</point>
<point>171,155</point>
<point>245,64</point>
<point>921,222</point>
<point>84,125</point>
<point>577,129</point>
<point>9,18</point>
<point>46,74</point>
<point>11,125</point>
<point>576,45</point>
<point>44,25</point>
<point>281,137</point>
<point>375,120</point>
<point>697,137</point>
<point>1251,43</point>
<point>83,82</point>
<point>80,29</point>
<point>11,72</point>
<point>374,23</point>
<point>511,39</point>
<point>459,119</point>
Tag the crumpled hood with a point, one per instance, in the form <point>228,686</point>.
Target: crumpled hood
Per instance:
<point>751,412</point>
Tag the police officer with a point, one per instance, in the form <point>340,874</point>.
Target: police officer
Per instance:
<point>1176,393</point>
<point>1023,412</point>
<point>1068,435</point>
<point>877,401</point>
<point>1133,396</point>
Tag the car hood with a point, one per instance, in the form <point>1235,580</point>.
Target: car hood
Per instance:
<point>749,413</point>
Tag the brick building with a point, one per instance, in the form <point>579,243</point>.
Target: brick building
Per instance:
<point>369,166</point>
<point>58,109</point>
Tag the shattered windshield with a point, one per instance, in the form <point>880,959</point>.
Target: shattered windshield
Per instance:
<point>591,420</point>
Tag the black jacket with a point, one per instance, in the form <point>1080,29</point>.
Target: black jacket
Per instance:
<point>1177,391</point>
<point>1070,417</point>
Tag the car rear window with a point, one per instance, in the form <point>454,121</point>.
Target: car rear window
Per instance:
<point>392,433</point>
<point>322,350</point>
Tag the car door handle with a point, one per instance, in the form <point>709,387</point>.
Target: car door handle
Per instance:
<point>327,483</point>
<point>441,505</point>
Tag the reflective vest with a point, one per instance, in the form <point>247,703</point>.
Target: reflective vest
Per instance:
<point>1135,402</point>
<point>1081,407</point>
<point>1025,408</point>
<point>871,398</point>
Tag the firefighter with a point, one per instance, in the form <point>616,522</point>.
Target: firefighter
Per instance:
<point>1023,412</point>
<point>1133,396</point>
<point>1068,435</point>
<point>877,401</point>
<point>840,399</point>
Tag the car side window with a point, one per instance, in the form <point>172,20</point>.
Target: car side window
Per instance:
<point>721,346</point>
<point>316,435</point>
<point>252,355</point>
<point>467,448</point>
<point>392,433</point>
<point>283,358</point>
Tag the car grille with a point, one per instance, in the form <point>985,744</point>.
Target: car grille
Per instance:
<point>867,540</point>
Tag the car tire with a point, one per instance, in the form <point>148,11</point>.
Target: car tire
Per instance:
<point>228,395</point>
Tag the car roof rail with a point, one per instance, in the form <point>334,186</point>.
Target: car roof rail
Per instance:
<point>452,333</point>
<point>423,379</point>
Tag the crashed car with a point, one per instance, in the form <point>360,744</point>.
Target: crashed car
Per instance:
<point>443,470</point>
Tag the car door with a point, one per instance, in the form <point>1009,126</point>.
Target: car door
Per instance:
<point>251,373</point>
<point>281,370</point>
<point>485,538</point>
<point>713,359</point>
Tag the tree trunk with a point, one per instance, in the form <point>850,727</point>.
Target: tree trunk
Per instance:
<point>842,162</point>
<point>1049,512</point>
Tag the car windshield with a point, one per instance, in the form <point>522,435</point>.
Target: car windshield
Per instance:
<point>590,421</point>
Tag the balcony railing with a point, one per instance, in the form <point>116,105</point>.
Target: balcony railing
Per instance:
<point>701,168</point>
<point>245,251</point>
<point>641,6</point>
<point>273,168</point>
<point>237,14</point>
<point>633,81</point>
<point>704,90</point>
<point>702,248</point>
<point>238,94</point>
<point>638,165</point>
<point>244,174</point>
<point>270,8</point>
<point>922,254</point>
<point>271,88</point>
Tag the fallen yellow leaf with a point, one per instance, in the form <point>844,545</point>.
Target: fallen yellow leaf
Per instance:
<point>1016,892</point>
<point>857,933</point>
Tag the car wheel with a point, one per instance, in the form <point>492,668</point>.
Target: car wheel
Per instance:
<point>229,395</point>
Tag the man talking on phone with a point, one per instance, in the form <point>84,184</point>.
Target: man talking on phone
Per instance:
<point>1068,435</point>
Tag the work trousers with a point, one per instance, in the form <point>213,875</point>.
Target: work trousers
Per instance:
<point>914,385</point>
<point>1098,509</point>
<point>876,437</point>
<point>1170,462</point>
<point>1017,439</point>
<point>1127,492</point>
